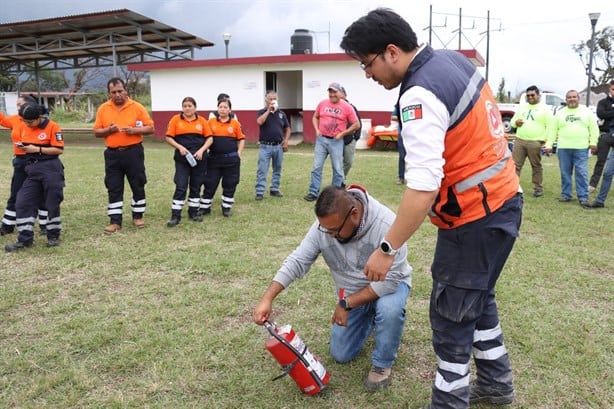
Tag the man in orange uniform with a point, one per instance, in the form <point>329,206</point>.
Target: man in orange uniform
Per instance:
<point>122,122</point>
<point>460,173</point>
<point>42,142</point>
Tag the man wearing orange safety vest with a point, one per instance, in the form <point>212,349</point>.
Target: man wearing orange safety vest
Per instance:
<point>459,173</point>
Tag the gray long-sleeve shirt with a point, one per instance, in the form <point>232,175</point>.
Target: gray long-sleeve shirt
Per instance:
<point>347,261</point>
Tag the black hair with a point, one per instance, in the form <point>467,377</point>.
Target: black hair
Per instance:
<point>372,33</point>
<point>222,96</point>
<point>30,111</point>
<point>115,81</point>
<point>333,200</point>
<point>533,88</point>
<point>188,99</point>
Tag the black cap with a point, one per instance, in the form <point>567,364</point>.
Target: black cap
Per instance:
<point>30,111</point>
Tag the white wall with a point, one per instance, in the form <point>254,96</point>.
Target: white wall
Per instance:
<point>246,86</point>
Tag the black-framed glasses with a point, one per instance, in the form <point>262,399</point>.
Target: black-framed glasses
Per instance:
<point>364,66</point>
<point>531,95</point>
<point>335,232</point>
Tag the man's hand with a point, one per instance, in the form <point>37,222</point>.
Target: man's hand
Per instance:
<point>378,265</point>
<point>340,316</point>
<point>262,312</point>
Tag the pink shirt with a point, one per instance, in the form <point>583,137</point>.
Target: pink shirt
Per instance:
<point>334,118</point>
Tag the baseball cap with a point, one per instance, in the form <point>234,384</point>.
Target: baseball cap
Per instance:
<point>343,90</point>
<point>335,86</point>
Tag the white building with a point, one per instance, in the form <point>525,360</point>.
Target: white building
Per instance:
<point>301,81</point>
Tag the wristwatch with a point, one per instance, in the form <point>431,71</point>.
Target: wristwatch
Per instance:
<point>343,303</point>
<point>386,248</point>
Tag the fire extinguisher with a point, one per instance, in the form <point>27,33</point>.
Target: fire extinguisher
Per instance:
<point>296,360</point>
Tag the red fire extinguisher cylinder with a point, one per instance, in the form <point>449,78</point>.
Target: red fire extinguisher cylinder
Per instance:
<point>296,359</point>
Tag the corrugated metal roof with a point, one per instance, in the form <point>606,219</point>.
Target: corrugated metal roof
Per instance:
<point>93,39</point>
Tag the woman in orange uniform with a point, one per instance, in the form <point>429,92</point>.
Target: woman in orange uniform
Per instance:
<point>42,143</point>
<point>224,159</point>
<point>14,123</point>
<point>187,133</point>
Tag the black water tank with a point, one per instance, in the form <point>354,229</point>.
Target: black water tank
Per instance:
<point>301,42</point>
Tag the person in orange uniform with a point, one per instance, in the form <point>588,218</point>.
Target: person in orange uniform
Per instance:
<point>122,122</point>
<point>460,173</point>
<point>14,122</point>
<point>224,158</point>
<point>42,142</point>
<point>187,133</point>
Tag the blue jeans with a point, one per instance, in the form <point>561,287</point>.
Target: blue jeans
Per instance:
<point>574,161</point>
<point>275,155</point>
<point>385,316</point>
<point>606,182</point>
<point>324,147</point>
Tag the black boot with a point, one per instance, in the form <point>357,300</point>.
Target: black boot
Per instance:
<point>17,246</point>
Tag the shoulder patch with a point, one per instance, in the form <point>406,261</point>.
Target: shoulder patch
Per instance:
<point>411,112</point>
<point>58,136</point>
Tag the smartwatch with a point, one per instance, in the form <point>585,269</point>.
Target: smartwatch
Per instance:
<point>386,248</point>
<point>343,303</point>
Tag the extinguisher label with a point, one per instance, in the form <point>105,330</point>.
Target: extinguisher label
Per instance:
<point>299,345</point>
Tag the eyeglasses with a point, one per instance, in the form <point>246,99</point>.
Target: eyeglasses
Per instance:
<point>531,95</point>
<point>335,232</point>
<point>364,66</point>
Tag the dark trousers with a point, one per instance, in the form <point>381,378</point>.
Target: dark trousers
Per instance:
<point>226,169</point>
<point>605,143</point>
<point>463,312</point>
<point>187,177</point>
<point>44,184</point>
<point>129,163</point>
<point>19,176</point>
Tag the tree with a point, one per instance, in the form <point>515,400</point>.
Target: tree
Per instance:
<point>603,56</point>
<point>501,95</point>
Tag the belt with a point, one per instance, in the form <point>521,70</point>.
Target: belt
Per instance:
<point>124,148</point>
<point>328,137</point>
<point>271,143</point>
<point>224,155</point>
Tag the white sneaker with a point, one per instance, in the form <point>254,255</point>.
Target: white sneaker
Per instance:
<point>591,189</point>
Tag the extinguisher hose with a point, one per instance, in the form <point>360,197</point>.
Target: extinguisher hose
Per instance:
<point>271,328</point>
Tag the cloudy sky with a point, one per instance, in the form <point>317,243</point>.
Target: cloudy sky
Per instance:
<point>530,40</point>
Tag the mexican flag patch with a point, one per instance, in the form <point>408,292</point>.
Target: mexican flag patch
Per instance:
<point>411,112</point>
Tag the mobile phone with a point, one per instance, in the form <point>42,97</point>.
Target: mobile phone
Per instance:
<point>19,144</point>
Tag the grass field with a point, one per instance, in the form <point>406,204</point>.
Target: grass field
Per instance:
<point>161,318</point>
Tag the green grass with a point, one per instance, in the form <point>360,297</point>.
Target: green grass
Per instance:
<point>161,318</point>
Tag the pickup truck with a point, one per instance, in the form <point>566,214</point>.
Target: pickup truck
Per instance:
<point>554,101</point>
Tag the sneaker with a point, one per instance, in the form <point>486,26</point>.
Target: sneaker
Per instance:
<point>196,217</point>
<point>43,230</point>
<point>591,189</point>
<point>276,193</point>
<point>564,199</point>
<point>53,242</point>
<point>205,212</point>
<point>259,197</point>
<point>596,205</point>
<point>481,393</point>
<point>17,246</point>
<point>112,228</point>
<point>310,198</point>
<point>172,222</point>
<point>378,378</point>
<point>538,193</point>
<point>226,212</point>
<point>585,204</point>
<point>138,223</point>
<point>401,182</point>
